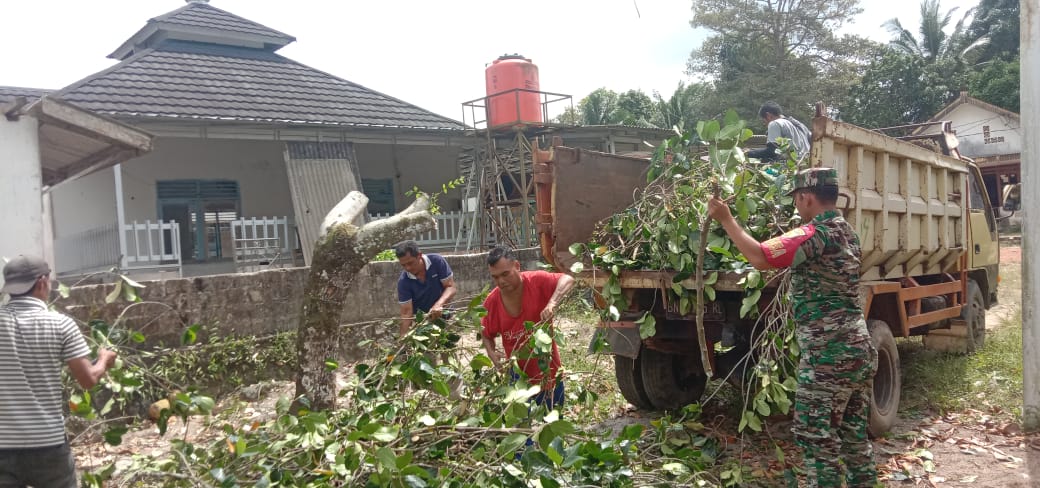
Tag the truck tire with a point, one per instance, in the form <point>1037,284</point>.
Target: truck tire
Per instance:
<point>671,381</point>
<point>629,376</point>
<point>974,314</point>
<point>884,399</point>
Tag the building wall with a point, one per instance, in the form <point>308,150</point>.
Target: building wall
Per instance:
<point>427,167</point>
<point>85,203</point>
<point>21,205</point>
<point>267,302</point>
<point>969,121</point>
<point>257,166</point>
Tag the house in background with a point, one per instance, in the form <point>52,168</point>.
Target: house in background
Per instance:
<point>242,133</point>
<point>251,150</point>
<point>990,135</point>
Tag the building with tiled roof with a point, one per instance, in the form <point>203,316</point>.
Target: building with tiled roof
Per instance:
<point>242,132</point>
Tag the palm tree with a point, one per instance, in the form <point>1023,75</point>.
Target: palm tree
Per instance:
<point>935,44</point>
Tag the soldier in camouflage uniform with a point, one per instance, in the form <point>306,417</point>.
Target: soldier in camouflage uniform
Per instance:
<point>838,359</point>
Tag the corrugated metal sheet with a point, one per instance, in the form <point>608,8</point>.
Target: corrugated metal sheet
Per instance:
<point>320,175</point>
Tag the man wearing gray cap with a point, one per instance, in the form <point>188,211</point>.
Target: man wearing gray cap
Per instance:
<point>34,342</point>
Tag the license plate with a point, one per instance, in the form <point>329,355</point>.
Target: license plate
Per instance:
<point>713,311</point>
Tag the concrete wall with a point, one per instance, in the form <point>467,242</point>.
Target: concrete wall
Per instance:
<point>21,205</point>
<point>269,301</point>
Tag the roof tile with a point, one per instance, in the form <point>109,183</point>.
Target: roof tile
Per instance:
<point>194,80</point>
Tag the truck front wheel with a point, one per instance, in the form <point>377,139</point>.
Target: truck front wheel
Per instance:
<point>884,401</point>
<point>629,374</point>
<point>974,314</point>
<point>671,381</point>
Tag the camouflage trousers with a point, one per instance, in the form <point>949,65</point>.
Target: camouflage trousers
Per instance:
<point>832,412</point>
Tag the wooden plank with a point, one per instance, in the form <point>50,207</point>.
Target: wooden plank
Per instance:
<point>927,318</point>
<point>921,291</point>
<point>80,121</point>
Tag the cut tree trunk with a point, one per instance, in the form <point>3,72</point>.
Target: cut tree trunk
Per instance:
<point>340,252</point>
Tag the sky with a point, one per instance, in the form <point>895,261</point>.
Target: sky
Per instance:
<point>431,54</point>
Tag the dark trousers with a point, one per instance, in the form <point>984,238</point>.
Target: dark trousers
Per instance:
<point>42,467</point>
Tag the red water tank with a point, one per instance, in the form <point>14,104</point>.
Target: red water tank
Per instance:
<point>507,74</point>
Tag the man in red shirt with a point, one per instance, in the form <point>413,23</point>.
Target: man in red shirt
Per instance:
<point>520,297</point>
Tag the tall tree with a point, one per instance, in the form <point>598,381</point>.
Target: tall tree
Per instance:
<point>997,83</point>
<point>998,20</point>
<point>934,43</point>
<point>599,107</point>
<point>896,89</point>
<point>683,108</point>
<point>778,50</point>
<point>634,108</point>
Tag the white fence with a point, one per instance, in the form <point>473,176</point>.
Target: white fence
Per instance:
<point>152,245</point>
<point>263,242</point>
<point>449,225</point>
<point>87,251</point>
<point>148,245</point>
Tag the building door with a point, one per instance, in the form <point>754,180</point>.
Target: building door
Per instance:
<point>204,210</point>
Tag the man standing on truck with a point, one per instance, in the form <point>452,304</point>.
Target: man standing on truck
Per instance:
<point>426,284</point>
<point>838,359</point>
<point>779,125</point>
<point>520,297</point>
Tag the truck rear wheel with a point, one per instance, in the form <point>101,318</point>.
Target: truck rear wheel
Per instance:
<point>974,313</point>
<point>671,381</point>
<point>884,400</point>
<point>629,376</point>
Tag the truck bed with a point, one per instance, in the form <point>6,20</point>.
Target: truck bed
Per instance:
<point>887,184</point>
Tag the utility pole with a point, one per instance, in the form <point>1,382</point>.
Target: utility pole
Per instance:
<point>1030,92</point>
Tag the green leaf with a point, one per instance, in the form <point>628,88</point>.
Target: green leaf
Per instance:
<point>440,387</point>
<point>709,293</point>
<point>427,420</point>
<point>577,267</point>
<point>576,249</point>
<point>708,131</point>
<point>114,435</point>
<point>63,290</point>
<point>137,336</point>
<point>647,326</point>
<point>331,365</point>
<point>384,434</point>
<point>712,278</point>
<point>510,444</point>
<point>480,361</point>
<point>205,404</point>
<point>386,458</point>
<point>750,302</point>
<point>117,289</point>
<point>191,334</point>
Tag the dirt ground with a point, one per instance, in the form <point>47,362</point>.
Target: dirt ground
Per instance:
<point>963,449</point>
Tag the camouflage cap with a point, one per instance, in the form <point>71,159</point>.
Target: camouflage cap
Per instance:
<point>814,178</point>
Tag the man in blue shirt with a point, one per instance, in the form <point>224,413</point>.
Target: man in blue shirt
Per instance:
<point>426,283</point>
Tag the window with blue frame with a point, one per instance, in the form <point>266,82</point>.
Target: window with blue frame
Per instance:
<point>204,210</point>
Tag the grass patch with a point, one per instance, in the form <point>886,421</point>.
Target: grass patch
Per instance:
<point>990,380</point>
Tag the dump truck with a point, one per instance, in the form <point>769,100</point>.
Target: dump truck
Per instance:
<point>929,259</point>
